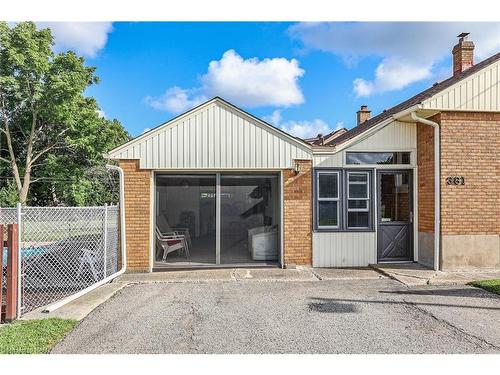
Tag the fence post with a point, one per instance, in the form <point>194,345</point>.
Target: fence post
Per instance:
<point>19,258</point>
<point>105,237</point>
<point>11,312</point>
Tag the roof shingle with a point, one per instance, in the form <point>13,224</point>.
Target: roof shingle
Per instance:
<point>417,99</point>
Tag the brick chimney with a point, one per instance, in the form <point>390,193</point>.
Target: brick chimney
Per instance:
<point>363,114</point>
<point>463,54</point>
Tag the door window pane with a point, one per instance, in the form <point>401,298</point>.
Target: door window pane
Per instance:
<point>328,185</point>
<point>395,197</point>
<point>328,213</point>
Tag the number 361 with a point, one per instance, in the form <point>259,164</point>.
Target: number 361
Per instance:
<point>455,180</point>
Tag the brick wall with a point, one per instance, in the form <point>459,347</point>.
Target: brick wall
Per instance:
<point>297,219</point>
<point>137,215</point>
<point>470,144</point>
<point>425,163</point>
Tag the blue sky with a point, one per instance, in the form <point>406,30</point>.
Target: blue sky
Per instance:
<point>305,78</point>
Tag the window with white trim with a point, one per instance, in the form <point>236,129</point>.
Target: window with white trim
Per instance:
<point>328,204</point>
<point>359,158</point>
<point>358,200</point>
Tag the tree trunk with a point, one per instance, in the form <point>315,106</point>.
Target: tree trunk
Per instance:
<point>23,193</point>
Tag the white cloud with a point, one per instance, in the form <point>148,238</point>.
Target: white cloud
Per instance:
<point>409,51</point>
<point>301,129</point>
<point>175,100</point>
<point>101,113</point>
<point>245,82</point>
<point>274,118</point>
<point>146,130</point>
<point>391,74</point>
<point>306,129</point>
<point>86,38</point>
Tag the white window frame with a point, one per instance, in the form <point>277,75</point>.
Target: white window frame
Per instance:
<point>329,199</point>
<point>379,165</point>
<point>367,199</point>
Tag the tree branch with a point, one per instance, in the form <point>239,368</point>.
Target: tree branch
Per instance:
<point>15,170</point>
<point>48,148</point>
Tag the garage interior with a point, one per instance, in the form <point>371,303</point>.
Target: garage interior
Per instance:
<point>221,219</point>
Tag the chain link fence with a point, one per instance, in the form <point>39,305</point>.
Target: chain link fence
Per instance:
<point>64,250</point>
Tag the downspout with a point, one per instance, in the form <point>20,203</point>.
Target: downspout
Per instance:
<point>123,237</point>
<point>437,186</point>
<point>106,280</point>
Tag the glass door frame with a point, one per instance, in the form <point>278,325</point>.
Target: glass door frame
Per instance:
<point>412,210</point>
<point>231,174</point>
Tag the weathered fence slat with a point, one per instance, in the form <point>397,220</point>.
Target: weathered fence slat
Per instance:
<point>1,275</point>
<point>12,270</point>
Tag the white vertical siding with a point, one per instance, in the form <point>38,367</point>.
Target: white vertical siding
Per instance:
<point>479,92</point>
<point>328,161</point>
<point>395,136</point>
<point>215,136</point>
<point>344,249</point>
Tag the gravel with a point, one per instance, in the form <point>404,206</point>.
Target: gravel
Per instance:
<point>328,316</point>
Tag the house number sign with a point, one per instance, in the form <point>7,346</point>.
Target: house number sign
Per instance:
<point>455,180</point>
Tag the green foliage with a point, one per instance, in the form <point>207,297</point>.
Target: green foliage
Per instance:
<point>8,194</point>
<point>492,286</point>
<point>58,138</point>
<point>33,336</point>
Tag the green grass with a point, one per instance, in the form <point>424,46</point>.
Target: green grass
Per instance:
<point>33,336</point>
<point>492,286</point>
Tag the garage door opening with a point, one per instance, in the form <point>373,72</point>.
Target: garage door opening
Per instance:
<point>217,220</point>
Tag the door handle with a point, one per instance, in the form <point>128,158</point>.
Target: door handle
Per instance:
<point>411,216</point>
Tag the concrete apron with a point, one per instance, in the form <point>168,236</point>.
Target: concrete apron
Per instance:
<point>81,307</point>
<point>414,274</point>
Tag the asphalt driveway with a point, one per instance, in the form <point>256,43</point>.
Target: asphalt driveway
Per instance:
<point>369,315</point>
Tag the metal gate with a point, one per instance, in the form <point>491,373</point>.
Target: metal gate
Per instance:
<point>63,250</point>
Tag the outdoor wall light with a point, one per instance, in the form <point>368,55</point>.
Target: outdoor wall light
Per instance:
<point>298,168</point>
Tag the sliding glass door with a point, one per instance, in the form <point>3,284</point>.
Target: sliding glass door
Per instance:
<point>249,219</point>
<point>220,218</point>
<point>185,219</point>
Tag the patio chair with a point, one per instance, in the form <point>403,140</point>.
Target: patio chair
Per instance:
<point>166,228</point>
<point>171,242</point>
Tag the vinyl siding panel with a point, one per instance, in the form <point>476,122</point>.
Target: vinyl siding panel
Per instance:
<point>328,161</point>
<point>215,137</point>
<point>479,92</point>
<point>344,249</point>
<point>395,136</point>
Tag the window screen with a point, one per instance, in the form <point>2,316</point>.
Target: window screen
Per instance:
<point>328,199</point>
<point>358,196</point>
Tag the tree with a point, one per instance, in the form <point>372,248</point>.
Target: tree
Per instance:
<point>47,125</point>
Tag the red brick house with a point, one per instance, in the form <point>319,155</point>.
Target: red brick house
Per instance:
<point>419,182</point>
